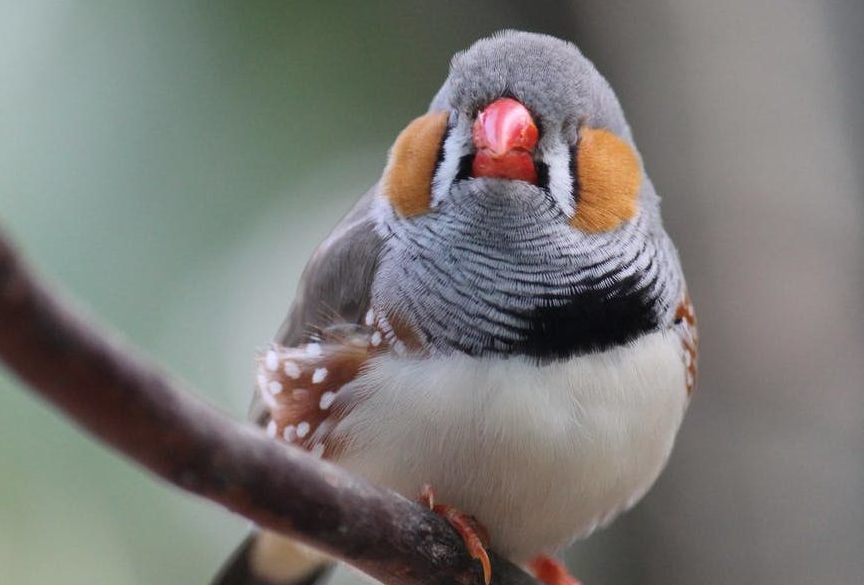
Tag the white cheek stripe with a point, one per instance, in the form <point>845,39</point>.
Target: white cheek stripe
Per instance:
<point>561,177</point>
<point>455,147</point>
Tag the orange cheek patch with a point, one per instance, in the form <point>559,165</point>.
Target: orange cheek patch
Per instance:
<point>407,180</point>
<point>609,179</point>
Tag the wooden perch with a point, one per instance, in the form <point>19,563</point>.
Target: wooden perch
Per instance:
<point>131,404</point>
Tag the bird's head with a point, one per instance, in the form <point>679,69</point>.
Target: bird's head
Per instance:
<point>520,197</point>
<point>521,115</point>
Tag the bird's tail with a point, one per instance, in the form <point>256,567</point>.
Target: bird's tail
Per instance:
<point>266,558</point>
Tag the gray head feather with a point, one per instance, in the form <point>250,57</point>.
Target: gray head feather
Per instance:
<point>560,85</point>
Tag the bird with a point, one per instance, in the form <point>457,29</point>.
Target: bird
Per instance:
<point>500,328</point>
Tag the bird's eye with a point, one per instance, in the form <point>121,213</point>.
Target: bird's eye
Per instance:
<point>407,179</point>
<point>607,180</point>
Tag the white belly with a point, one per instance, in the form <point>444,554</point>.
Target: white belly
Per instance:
<point>539,454</point>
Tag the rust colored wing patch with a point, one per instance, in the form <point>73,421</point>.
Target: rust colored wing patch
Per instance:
<point>304,389</point>
<point>609,178</point>
<point>407,180</point>
<point>685,325</point>
<point>300,387</point>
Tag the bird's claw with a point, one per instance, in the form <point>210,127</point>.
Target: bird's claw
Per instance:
<point>473,534</point>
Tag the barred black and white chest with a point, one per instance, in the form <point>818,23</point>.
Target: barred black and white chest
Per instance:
<point>493,273</point>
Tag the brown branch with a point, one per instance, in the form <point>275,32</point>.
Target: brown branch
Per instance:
<point>138,409</point>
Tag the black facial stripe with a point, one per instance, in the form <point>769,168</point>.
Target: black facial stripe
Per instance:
<point>464,167</point>
<point>439,159</point>
<point>574,176</point>
<point>542,174</point>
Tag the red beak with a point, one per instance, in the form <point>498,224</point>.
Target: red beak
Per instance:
<point>505,135</point>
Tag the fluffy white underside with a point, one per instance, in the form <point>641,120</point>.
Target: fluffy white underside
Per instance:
<point>539,454</point>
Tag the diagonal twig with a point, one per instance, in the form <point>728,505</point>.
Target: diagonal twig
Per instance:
<point>131,404</point>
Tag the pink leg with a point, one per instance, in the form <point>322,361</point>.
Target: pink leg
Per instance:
<point>552,572</point>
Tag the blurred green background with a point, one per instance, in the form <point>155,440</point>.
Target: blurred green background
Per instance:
<point>172,164</point>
